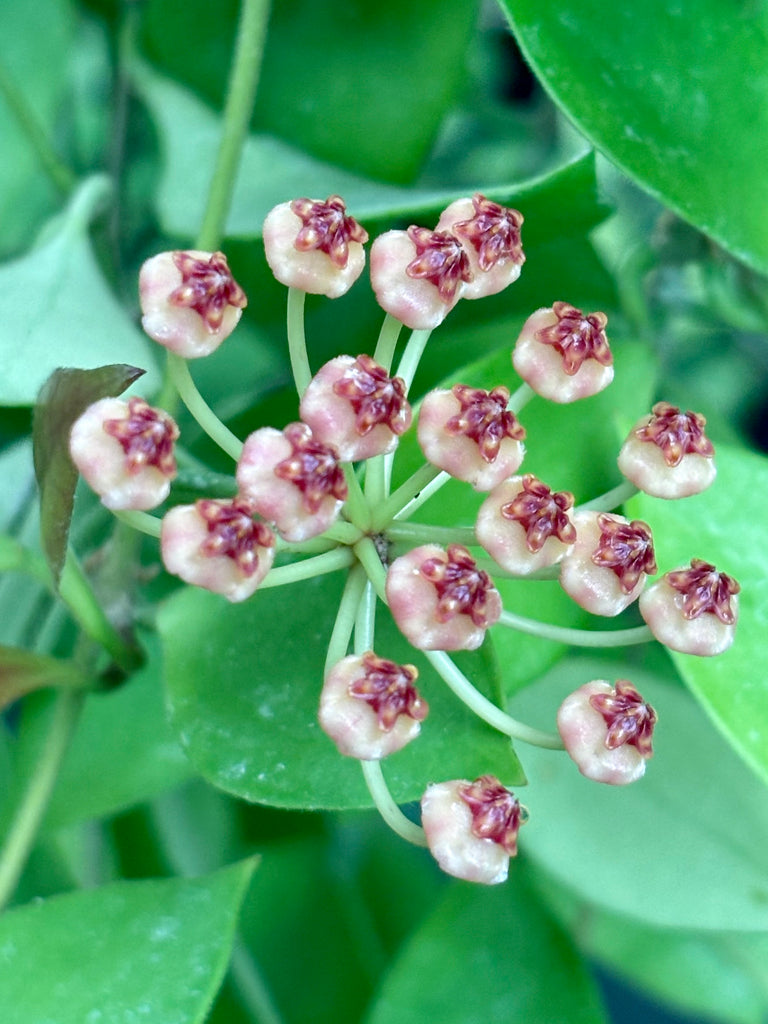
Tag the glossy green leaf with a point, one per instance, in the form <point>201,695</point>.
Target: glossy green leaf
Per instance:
<point>130,951</point>
<point>65,396</point>
<point>244,685</point>
<point>726,526</point>
<point>665,96</point>
<point>56,308</point>
<point>707,975</point>
<point>488,954</point>
<point>685,847</point>
<point>360,84</point>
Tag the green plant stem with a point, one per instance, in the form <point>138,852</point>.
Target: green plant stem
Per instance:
<point>318,565</point>
<point>297,342</point>
<point>144,522</point>
<point>345,617</point>
<point>412,356</point>
<point>29,814</point>
<point>387,342</point>
<point>199,408</point>
<point>376,481</point>
<point>421,533</point>
<point>60,176</point>
<point>241,96</point>
<point>356,507</point>
<point>386,806</point>
<point>365,620</point>
<point>368,556</point>
<point>408,492</point>
<point>520,398</point>
<point>485,709</point>
<point>343,532</point>
<point>577,637</point>
<point>611,499</point>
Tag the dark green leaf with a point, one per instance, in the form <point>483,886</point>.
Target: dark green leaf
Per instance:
<point>664,95</point>
<point>65,395</point>
<point>152,950</point>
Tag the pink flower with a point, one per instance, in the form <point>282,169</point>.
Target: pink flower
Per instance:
<point>313,245</point>
<point>292,480</point>
<point>369,706</point>
<point>217,545</point>
<point>471,827</point>
<point>607,731</point>
<point>563,354</point>
<point>469,433</point>
<point>490,234</point>
<point>190,301</point>
<point>440,600</point>
<point>124,450</point>
<point>693,610</point>
<point>667,453</point>
<point>354,405</point>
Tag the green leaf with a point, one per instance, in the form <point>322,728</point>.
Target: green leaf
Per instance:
<point>360,84</point>
<point>154,950</point>
<point>65,395</point>
<point>685,847</point>
<point>244,685</point>
<point>488,954</point>
<point>56,309</point>
<point>665,97</point>
<point>725,525</point>
<point>22,672</point>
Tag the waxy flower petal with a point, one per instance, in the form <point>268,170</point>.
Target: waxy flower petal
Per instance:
<point>490,234</point>
<point>667,453</point>
<point>693,610</point>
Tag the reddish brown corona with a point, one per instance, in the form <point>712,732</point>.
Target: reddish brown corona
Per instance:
<point>704,589</point>
<point>626,549</point>
<point>312,467</point>
<point>440,259</point>
<point>207,287</point>
<point>577,337</point>
<point>375,397</point>
<point>233,533</point>
<point>541,512</point>
<point>484,419</point>
<point>146,435</point>
<point>462,588</point>
<point>493,231</point>
<point>496,813</point>
<point>628,718</point>
<point>676,433</point>
<point>388,688</point>
<point>327,228</point>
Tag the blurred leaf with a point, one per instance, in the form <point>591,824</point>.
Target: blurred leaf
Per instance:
<point>56,309</point>
<point>244,685</point>
<point>153,950</point>
<point>64,396</point>
<point>331,72</point>
<point>23,672</point>
<point>709,975</point>
<point>653,92</point>
<point>488,954</point>
<point>725,525</point>
<point>685,847</point>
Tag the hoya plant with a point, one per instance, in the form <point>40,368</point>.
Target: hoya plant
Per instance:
<point>383,545</point>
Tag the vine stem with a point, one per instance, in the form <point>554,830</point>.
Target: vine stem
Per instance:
<point>297,342</point>
<point>577,637</point>
<point>199,408</point>
<point>241,96</point>
<point>386,806</point>
<point>318,565</point>
<point>29,814</point>
<point>144,522</point>
<point>486,709</point>
<point>611,499</point>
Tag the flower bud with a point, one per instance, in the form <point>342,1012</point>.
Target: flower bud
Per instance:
<point>563,354</point>
<point>471,827</point>
<point>469,433</point>
<point>189,300</point>
<point>524,526</point>
<point>605,570</point>
<point>292,480</point>
<point>607,731</point>
<point>124,450</point>
<point>369,706</point>
<point>217,545</point>
<point>418,275</point>
<point>440,600</point>
<point>693,610</point>
<point>667,453</point>
<point>314,246</point>
<point>355,406</point>
<point>490,234</point>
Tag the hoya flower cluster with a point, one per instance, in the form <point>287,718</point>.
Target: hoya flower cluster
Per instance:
<point>318,494</point>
